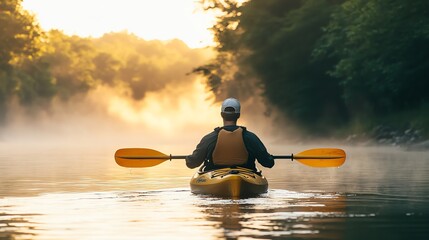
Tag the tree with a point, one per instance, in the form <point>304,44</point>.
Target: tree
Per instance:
<point>71,63</point>
<point>19,33</point>
<point>273,41</point>
<point>382,58</point>
<point>106,68</point>
<point>19,39</point>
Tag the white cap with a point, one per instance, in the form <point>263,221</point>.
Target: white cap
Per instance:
<point>233,103</point>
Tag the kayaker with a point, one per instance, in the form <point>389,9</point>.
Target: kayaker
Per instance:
<point>230,145</point>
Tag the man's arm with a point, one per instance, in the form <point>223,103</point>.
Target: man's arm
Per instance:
<point>200,153</point>
<point>257,149</point>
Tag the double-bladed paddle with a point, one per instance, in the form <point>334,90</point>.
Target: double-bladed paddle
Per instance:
<point>145,157</point>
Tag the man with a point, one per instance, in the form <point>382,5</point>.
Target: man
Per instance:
<point>230,145</point>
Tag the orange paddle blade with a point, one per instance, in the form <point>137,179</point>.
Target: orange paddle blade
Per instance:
<point>322,157</point>
<point>139,157</point>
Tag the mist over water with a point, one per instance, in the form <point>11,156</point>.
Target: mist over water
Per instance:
<point>175,117</point>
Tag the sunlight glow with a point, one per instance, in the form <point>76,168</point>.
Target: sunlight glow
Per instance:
<point>148,19</point>
<point>173,108</point>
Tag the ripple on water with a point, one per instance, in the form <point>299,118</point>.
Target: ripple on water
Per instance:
<point>178,214</point>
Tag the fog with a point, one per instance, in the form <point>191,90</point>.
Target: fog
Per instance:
<point>172,119</point>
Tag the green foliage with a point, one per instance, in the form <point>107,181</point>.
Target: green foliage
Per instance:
<point>273,41</point>
<point>382,54</point>
<point>326,64</point>
<point>292,81</point>
<point>19,41</point>
<point>106,68</point>
<point>34,82</point>
<point>19,33</point>
<point>70,63</point>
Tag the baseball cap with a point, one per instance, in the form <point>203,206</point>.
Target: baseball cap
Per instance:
<point>231,103</point>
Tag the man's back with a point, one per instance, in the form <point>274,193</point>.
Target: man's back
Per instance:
<point>255,148</point>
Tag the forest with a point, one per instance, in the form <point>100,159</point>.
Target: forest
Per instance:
<point>333,68</point>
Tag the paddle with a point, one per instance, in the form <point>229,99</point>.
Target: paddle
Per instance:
<point>145,157</point>
<point>319,157</point>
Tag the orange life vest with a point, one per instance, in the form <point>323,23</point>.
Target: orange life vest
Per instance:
<point>230,149</point>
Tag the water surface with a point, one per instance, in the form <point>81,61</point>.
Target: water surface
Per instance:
<point>380,193</point>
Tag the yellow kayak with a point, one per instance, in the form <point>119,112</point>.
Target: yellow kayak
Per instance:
<point>229,182</point>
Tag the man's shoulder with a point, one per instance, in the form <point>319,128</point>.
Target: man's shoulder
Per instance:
<point>249,135</point>
<point>211,135</point>
<point>247,132</point>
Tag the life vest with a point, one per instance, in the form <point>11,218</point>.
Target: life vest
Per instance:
<point>230,149</point>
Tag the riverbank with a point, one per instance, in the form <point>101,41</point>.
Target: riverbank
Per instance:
<point>385,135</point>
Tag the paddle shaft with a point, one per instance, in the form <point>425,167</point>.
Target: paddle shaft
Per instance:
<point>170,157</point>
<point>305,157</point>
<point>156,157</point>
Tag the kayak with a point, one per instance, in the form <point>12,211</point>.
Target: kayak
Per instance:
<point>233,182</point>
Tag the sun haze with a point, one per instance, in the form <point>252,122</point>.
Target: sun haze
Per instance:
<point>148,19</point>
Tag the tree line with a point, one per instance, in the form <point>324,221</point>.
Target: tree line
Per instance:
<point>323,64</point>
<point>326,64</point>
<point>37,66</point>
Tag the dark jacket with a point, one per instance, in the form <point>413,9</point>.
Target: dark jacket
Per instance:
<point>254,146</point>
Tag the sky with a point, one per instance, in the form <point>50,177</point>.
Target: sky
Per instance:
<point>148,19</point>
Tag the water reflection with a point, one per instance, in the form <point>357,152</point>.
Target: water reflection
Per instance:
<point>375,195</point>
<point>174,214</point>
<point>16,226</point>
<point>179,214</point>
<point>278,214</point>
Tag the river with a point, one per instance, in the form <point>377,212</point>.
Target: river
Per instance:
<point>379,193</point>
